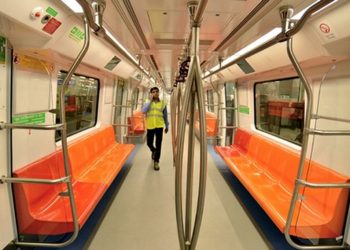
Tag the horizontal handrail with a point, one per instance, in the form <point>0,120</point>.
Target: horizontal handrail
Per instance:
<point>315,116</point>
<point>323,185</point>
<point>228,127</point>
<point>121,106</point>
<point>4,179</point>
<point>59,126</point>
<point>327,132</point>
<point>229,108</point>
<point>121,125</point>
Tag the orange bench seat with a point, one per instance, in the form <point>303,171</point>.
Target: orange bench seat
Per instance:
<point>268,171</point>
<point>211,122</point>
<point>136,124</point>
<point>95,161</point>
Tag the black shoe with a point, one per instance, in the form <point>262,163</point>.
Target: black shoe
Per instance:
<point>156,166</point>
<point>153,155</point>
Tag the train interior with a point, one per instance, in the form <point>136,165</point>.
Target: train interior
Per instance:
<point>258,109</point>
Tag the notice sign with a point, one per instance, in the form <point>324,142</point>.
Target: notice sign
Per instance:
<point>52,25</point>
<point>29,119</point>
<point>244,109</point>
<point>76,34</point>
<point>326,30</point>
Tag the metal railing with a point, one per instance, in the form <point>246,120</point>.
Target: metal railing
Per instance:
<point>193,91</point>
<point>286,13</point>
<point>63,128</point>
<point>174,118</point>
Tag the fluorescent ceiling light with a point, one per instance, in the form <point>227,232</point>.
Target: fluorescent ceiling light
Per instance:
<point>268,36</point>
<point>73,5</point>
<point>302,12</point>
<point>120,45</point>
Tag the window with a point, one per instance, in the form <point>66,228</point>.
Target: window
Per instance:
<point>119,98</point>
<point>81,98</point>
<point>135,96</point>
<point>230,112</point>
<point>279,108</point>
<point>210,98</point>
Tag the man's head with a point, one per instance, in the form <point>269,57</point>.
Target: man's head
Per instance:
<point>154,92</point>
<point>154,89</point>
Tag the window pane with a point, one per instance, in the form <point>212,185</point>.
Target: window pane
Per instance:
<point>230,113</point>
<point>119,99</point>
<point>210,95</point>
<point>81,97</point>
<point>279,108</point>
<point>135,96</point>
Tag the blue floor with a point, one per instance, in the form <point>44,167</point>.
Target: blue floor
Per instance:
<point>263,223</point>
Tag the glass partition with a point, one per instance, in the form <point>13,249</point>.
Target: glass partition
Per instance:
<point>279,108</point>
<point>81,98</point>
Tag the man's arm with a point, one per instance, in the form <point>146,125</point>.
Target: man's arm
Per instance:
<point>165,115</point>
<point>146,107</point>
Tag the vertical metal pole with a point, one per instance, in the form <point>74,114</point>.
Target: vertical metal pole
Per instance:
<point>9,70</point>
<point>285,16</point>
<point>203,146</point>
<point>64,131</point>
<point>173,117</point>
<point>193,88</point>
<point>179,158</point>
<point>190,163</point>
<point>73,67</point>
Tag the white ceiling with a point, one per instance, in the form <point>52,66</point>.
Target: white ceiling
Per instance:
<point>164,26</point>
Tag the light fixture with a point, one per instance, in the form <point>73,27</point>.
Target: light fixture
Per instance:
<point>120,45</point>
<point>73,5</point>
<point>268,36</point>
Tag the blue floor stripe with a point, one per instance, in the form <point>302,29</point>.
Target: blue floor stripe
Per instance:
<point>263,223</point>
<point>96,217</point>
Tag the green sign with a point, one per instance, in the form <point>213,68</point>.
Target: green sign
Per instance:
<point>244,109</point>
<point>51,11</point>
<point>76,34</point>
<point>2,50</point>
<point>29,119</point>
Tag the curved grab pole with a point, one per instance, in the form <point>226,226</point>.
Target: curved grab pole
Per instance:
<point>174,118</point>
<point>74,66</point>
<point>193,89</point>
<point>286,13</point>
<point>175,112</point>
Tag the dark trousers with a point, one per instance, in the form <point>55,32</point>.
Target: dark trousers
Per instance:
<point>158,133</point>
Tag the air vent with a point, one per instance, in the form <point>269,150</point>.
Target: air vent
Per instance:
<point>245,66</point>
<point>112,63</point>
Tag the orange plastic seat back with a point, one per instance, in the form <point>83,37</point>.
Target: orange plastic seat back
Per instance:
<point>242,139</point>
<point>49,167</point>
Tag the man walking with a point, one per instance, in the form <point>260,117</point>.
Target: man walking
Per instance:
<point>156,119</point>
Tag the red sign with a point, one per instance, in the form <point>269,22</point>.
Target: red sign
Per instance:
<point>325,28</point>
<point>52,25</point>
